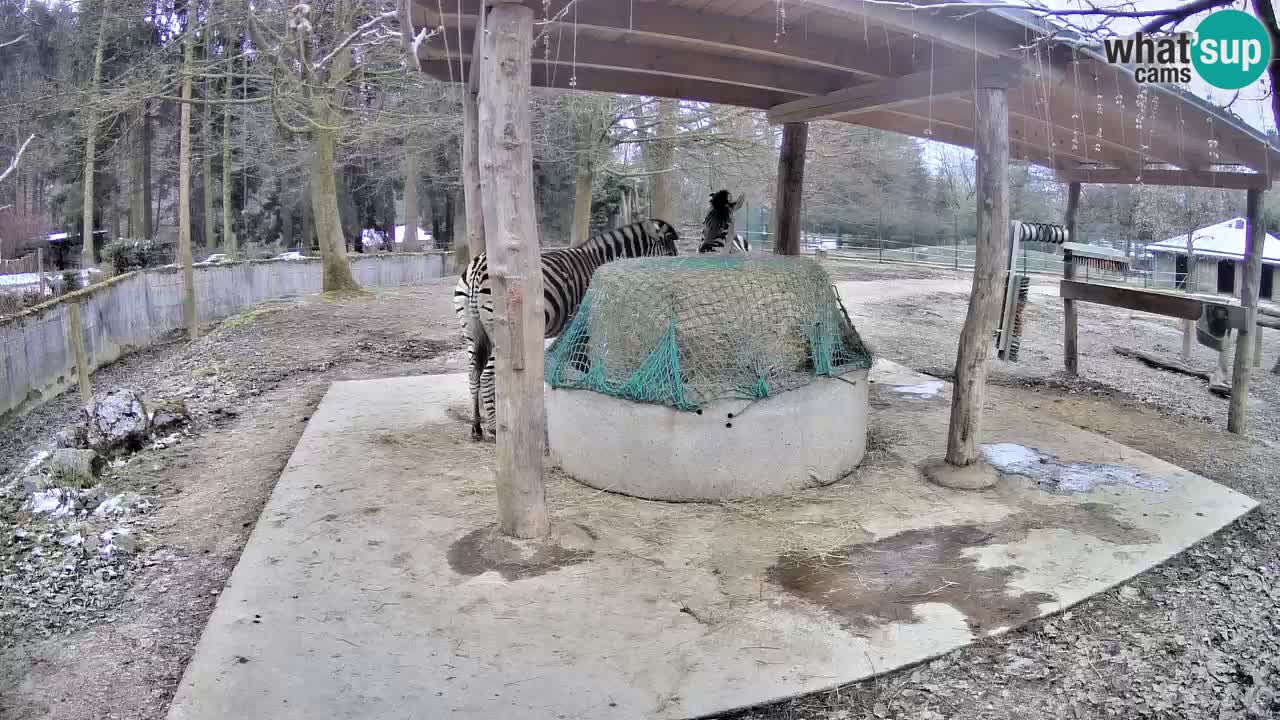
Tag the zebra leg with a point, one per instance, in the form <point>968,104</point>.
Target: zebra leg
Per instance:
<point>481,363</point>
<point>488,389</point>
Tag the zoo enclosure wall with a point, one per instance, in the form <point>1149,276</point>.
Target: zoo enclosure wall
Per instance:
<point>135,310</point>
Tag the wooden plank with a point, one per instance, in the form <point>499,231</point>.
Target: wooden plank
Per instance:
<point>625,82</point>
<point>1164,363</point>
<point>1159,303</point>
<point>1070,333</point>
<point>510,221</point>
<point>471,196</point>
<point>907,89</point>
<point>790,196</point>
<point>1177,178</point>
<point>633,57</point>
<point>75,335</point>
<point>1255,234</point>
<point>713,34</point>
<point>974,352</point>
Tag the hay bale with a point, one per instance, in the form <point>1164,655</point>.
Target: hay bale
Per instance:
<point>736,327</point>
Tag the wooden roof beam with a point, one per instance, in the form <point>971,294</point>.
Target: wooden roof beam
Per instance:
<point>961,33</point>
<point>905,90</point>
<point>1229,180</point>
<point>610,80</point>
<point>635,58</point>
<point>734,36</point>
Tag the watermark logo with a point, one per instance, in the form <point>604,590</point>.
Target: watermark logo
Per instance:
<point>1229,50</point>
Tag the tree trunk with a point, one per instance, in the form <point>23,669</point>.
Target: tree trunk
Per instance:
<point>1250,284</point>
<point>581,228</point>
<point>324,186</point>
<point>471,196</point>
<point>1070,337</point>
<point>790,195</point>
<point>514,267</point>
<point>139,214</point>
<point>412,214</point>
<point>91,147</point>
<point>207,146</point>
<point>661,156</point>
<point>148,223</point>
<point>184,197</point>
<point>229,245</point>
<point>991,254</point>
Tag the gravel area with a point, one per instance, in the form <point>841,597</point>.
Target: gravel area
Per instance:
<point>87,634</point>
<point>1198,637</point>
<point>1195,638</point>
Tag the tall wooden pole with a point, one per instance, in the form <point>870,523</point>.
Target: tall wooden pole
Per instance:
<point>510,222</point>
<point>991,254</point>
<point>1070,351</point>
<point>184,198</point>
<point>472,199</point>
<point>790,195</point>
<point>1237,413</point>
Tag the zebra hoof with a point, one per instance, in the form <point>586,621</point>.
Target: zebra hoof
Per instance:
<point>477,434</point>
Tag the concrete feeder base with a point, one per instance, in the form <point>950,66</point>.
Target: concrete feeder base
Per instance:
<point>806,437</point>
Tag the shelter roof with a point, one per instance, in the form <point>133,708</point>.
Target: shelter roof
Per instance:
<point>1222,240</point>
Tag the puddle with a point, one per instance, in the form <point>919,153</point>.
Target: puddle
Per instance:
<point>881,582</point>
<point>928,389</point>
<point>486,550</point>
<point>1069,478</point>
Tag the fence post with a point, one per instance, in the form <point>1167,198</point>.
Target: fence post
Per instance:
<point>75,334</point>
<point>40,270</point>
<point>880,245</point>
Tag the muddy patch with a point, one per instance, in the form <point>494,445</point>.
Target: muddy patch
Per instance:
<point>1066,478</point>
<point>870,584</point>
<point>882,582</point>
<point>488,550</point>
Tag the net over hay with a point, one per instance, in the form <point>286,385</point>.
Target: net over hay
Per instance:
<point>684,332</point>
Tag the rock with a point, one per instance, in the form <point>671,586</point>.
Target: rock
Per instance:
<point>117,421</point>
<point>117,540</point>
<point>80,468</point>
<point>73,436</point>
<point>170,415</point>
<point>32,484</point>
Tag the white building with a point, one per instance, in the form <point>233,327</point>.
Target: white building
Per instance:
<point>1218,252</point>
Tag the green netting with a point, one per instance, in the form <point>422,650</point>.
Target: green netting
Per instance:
<point>684,332</point>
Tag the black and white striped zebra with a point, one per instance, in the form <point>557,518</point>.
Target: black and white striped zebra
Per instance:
<point>719,224</point>
<point>566,273</point>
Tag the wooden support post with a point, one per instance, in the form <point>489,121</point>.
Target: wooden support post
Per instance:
<point>1257,346</point>
<point>506,177</point>
<point>75,335</point>
<point>990,256</point>
<point>1070,350</point>
<point>790,197</point>
<point>472,199</point>
<point>1237,413</point>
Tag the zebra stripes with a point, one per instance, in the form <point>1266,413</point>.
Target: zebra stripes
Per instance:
<point>566,273</point>
<point>718,225</point>
<point>1045,233</point>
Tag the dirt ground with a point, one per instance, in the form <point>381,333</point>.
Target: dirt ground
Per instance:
<point>1198,637</point>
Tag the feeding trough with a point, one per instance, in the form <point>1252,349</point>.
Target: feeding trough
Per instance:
<point>708,379</point>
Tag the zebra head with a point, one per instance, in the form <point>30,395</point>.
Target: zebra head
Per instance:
<point>719,225</point>
<point>664,236</point>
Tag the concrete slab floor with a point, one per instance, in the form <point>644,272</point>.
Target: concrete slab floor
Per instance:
<point>362,593</point>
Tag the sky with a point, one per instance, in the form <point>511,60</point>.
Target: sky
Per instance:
<point>1253,105</point>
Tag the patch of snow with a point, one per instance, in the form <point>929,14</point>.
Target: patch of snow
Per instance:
<point>1072,477</point>
<point>72,540</point>
<point>36,461</point>
<point>57,502</point>
<point>929,388</point>
<point>120,505</point>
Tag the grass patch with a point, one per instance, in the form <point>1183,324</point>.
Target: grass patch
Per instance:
<point>246,318</point>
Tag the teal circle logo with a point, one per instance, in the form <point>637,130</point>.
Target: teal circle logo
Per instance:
<point>1232,49</point>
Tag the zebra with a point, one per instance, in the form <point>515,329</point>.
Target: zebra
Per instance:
<point>566,272</point>
<point>719,224</point>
